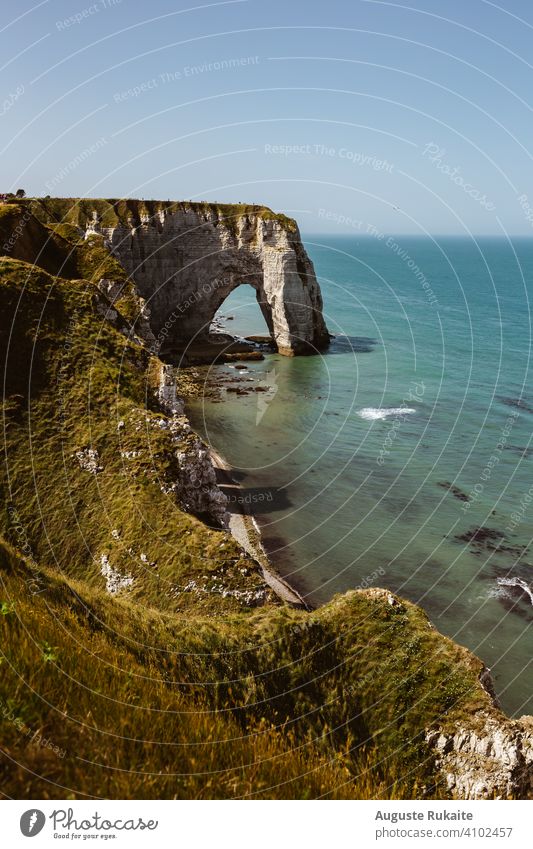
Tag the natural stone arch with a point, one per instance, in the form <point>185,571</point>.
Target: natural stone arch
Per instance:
<point>186,261</point>
<point>191,318</point>
<point>225,289</point>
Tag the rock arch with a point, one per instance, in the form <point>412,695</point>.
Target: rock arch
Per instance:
<point>185,261</point>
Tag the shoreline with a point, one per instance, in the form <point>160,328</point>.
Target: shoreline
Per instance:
<point>243,525</point>
<point>245,530</point>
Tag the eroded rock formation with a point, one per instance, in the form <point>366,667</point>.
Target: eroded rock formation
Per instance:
<point>486,757</point>
<point>186,259</point>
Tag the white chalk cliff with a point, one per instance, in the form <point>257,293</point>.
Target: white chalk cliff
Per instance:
<point>185,259</point>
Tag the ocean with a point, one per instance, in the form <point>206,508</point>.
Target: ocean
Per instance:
<point>401,457</point>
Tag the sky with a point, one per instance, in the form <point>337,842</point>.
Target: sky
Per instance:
<point>350,115</point>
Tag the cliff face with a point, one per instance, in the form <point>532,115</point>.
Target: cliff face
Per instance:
<point>186,259</point>
<point>487,757</point>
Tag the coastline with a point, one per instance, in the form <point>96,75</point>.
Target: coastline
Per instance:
<point>243,525</point>
<point>376,652</point>
<point>245,530</point>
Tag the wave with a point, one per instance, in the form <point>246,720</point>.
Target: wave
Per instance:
<point>374,413</point>
<point>516,582</point>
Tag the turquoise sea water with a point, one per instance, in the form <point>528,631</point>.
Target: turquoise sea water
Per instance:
<point>349,493</point>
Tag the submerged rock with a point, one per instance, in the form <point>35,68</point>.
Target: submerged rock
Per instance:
<point>482,537</point>
<point>518,403</point>
<point>455,491</point>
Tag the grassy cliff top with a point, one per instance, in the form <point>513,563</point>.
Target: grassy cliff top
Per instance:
<point>274,704</point>
<point>114,211</point>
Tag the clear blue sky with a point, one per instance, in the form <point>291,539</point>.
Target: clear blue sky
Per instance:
<point>409,117</point>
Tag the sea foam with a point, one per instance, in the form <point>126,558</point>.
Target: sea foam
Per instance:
<point>374,413</point>
<point>516,582</point>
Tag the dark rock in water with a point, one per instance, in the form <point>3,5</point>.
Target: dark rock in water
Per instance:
<point>521,569</point>
<point>482,537</point>
<point>516,402</point>
<point>352,344</point>
<point>263,343</point>
<point>523,451</point>
<point>514,587</point>
<point>238,390</point>
<point>516,595</point>
<point>458,493</point>
<point>244,355</point>
<point>260,340</point>
<point>240,366</point>
<point>513,605</point>
<point>517,585</point>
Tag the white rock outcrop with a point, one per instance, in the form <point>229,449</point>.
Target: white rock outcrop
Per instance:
<point>116,582</point>
<point>488,757</point>
<point>89,460</point>
<point>195,486</point>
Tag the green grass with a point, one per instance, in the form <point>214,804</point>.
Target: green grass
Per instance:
<point>275,703</point>
<point>84,712</point>
<point>78,212</point>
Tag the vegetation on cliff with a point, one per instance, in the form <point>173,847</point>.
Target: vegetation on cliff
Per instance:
<point>142,653</point>
<point>69,214</point>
